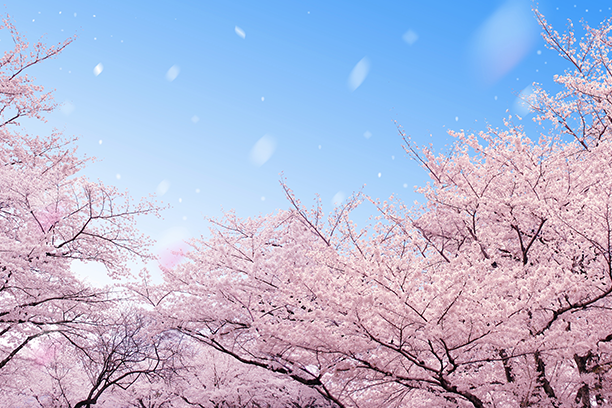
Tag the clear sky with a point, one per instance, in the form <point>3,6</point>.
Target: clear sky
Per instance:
<point>207,102</point>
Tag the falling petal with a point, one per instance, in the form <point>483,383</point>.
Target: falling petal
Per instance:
<point>98,69</point>
<point>338,198</point>
<point>172,73</point>
<point>240,32</point>
<point>262,150</point>
<point>163,187</point>
<point>359,73</point>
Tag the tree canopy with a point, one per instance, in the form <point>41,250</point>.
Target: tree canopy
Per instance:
<point>497,292</point>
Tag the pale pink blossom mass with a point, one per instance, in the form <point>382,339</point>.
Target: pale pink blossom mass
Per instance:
<point>496,291</point>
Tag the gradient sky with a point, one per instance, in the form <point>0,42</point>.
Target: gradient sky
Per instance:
<point>207,102</point>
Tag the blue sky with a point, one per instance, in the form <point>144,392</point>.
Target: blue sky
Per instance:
<point>207,102</point>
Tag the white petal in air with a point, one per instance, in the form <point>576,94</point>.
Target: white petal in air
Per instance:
<point>410,37</point>
<point>338,198</point>
<point>262,150</point>
<point>359,73</point>
<point>240,32</point>
<point>172,73</point>
<point>98,69</point>
<point>163,187</point>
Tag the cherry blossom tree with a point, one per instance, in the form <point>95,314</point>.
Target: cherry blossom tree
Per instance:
<point>495,293</point>
<point>62,342</point>
<point>51,216</point>
<point>94,367</point>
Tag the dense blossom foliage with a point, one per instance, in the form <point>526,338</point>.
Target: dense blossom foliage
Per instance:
<point>212,379</point>
<point>50,216</point>
<point>91,367</point>
<point>62,342</point>
<point>495,293</point>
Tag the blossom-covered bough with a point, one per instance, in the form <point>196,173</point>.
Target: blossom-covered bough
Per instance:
<point>496,293</point>
<point>64,343</point>
<point>49,217</point>
<point>108,365</point>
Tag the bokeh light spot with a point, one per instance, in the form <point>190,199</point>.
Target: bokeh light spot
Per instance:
<point>410,37</point>
<point>338,198</point>
<point>503,40</point>
<point>523,102</point>
<point>67,108</point>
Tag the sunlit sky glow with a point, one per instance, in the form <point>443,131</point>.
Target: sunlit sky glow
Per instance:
<point>205,103</point>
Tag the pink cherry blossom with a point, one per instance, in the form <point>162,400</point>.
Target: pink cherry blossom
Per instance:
<point>496,293</point>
